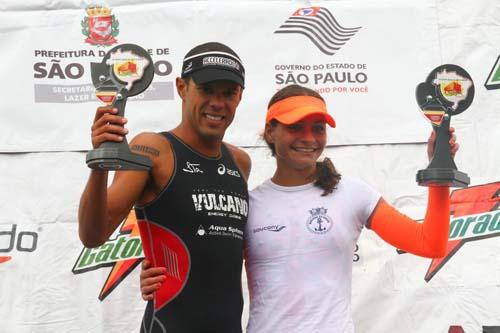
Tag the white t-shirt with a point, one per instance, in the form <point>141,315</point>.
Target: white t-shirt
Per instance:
<point>299,250</point>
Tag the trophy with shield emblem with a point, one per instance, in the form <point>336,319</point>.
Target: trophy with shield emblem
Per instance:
<point>447,91</point>
<point>126,70</point>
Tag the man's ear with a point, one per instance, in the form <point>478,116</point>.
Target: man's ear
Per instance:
<point>181,86</point>
<point>241,94</point>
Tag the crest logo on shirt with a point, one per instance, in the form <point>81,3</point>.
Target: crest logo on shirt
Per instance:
<point>319,222</point>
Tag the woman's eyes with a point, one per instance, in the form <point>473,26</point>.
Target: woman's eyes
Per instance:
<point>318,128</point>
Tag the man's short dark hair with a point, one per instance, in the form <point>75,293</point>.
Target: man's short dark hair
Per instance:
<point>210,47</point>
<point>213,61</point>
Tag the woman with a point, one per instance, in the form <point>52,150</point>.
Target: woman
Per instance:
<point>304,222</point>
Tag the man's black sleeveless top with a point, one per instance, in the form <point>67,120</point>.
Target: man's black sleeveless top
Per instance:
<point>195,229</point>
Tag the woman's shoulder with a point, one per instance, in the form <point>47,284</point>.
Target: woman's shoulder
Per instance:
<point>262,187</point>
<point>350,184</point>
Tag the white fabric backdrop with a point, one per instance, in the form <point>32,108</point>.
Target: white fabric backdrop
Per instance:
<point>369,82</point>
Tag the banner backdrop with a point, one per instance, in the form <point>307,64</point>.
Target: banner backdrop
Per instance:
<point>363,58</point>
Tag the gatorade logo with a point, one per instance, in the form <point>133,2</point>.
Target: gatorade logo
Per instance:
<point>474,216</point>
<point>14,241</point>
<point>123,254</point>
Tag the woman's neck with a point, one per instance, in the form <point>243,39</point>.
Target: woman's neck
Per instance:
<point>293,177</point>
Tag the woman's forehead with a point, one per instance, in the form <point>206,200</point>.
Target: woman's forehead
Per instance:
<point>313,118</point>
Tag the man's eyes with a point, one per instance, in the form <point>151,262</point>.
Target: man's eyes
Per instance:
<point>210,91</point>
<point>230,93</point>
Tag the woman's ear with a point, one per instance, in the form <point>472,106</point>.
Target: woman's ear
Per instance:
<point>269,133</point>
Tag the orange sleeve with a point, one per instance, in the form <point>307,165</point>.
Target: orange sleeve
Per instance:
<point>427,239</point>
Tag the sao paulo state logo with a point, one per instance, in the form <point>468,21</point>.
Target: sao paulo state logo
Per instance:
<point>320,26</point>
<point>100,27</point>
<point>319,222</point>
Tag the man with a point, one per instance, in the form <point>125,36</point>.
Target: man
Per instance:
<point>192,205</point>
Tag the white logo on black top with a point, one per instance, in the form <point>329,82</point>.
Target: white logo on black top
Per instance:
<point>220,231</point>
<point>220,204</point>
<point>222,61</point>
<point>189,67</point>
<point>192,168</point>
<point>223,170</point>
<point>319,222</point>
<point>201,231</point>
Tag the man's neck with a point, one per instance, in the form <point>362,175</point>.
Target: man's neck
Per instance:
<point>210,147</point>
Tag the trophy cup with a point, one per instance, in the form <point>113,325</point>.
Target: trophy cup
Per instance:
<point>448,90</point>
<point>126,70</point>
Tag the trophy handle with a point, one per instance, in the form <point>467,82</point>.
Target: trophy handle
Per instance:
<point>111,155</point>
<point>442,148</point>
<point>118,103</point>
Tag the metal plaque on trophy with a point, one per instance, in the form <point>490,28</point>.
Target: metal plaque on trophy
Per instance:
<point>126,70</point>
<point>447,91</point>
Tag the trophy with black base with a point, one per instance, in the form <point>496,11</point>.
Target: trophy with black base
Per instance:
<point>447,91</point>
<point>126,70</point>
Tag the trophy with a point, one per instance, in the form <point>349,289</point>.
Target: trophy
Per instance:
<point>448,90</point>
<point>126,70</point>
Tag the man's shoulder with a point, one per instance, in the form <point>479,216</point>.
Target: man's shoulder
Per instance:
<point>157,140</point>
<point>150,144</point>
<point>157,148</point>
<point>148,136</point>
<point>241,158</point>
<point>235,150</point>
